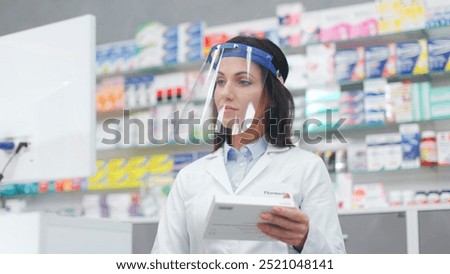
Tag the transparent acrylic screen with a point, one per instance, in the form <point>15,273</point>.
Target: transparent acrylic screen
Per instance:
<point>47,95</point>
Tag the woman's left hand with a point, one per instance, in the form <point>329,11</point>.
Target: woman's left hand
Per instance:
<point>289,225</point>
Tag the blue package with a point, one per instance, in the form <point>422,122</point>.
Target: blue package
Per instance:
<point>410,145</point>
<point>380,61</point>
<point>438,55</point>
<point>412,58</point>
<point>349,65</point>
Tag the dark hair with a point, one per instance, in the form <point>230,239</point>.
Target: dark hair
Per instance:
<point>279,117</point>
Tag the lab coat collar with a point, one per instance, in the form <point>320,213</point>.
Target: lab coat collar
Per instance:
<point>216,167</point>
<point>270,149</point>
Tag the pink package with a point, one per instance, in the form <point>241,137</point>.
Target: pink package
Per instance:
<point>364,29</point>
<point>336,32</point>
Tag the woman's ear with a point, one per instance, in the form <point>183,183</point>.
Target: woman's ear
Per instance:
<point>279,77</point>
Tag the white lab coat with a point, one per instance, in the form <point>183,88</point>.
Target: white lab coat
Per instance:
<point>278,170</point>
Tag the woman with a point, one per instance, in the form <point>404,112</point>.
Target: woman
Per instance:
<point>253,156</point>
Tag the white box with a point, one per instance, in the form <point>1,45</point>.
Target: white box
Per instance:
<point>343,190</point>
<point>320,64</point>
<point>398,103</point>
<point>356,157</point>
<point>443,147</point>
<point>297,69</point>
<point>375,151</point>
<point>235,217</point>
<point>393,152</point>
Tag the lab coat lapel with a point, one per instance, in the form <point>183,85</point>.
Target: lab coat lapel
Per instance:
<point>260,165</point>
<point>217,170</point>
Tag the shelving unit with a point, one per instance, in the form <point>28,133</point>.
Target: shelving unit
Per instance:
<point>151,149</point>
<point>396,178</point>
<point>380,39</point>
<point>154,70</point>
<point>412,229</point>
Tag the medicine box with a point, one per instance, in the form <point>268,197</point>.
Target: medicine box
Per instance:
<point>349,64</point>
<point>380,61</point>
<point>439,53</point>
<point>412,58</point>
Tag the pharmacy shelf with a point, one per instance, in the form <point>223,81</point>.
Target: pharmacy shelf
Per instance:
<point>370,128</point>
<point>426,77</point>
<point>162,69</point>
<point>391,209</point>
<point>381,39</point>
<point>439,78</point>
<point>402,172</point>
<point>102,115</point>
<point>69,193</point>
<point>128,152</point>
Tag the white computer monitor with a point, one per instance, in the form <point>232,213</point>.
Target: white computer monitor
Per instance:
<point>47,99</point>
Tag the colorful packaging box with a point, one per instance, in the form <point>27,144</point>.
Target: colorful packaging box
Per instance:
<point>437,14</point>
<point>356,157</point>
<point>420,100</point>
<point>110,94</point>
<point>264,28</point>
<point>352,107</point>
<point>384,151</point>
<point>375,101</point>
<point>343,190</point>
<point>434,102</point>
<point>443,147</point>
<point>310,28</point>
<point>155,41</point>
<point>348,22</point>
<point>438,55</point>
<point>297,69</point>
<point>412,57</point>
<point>369,196</point>
<point>116,57</point>
<point>410,135</point>
<point>400,15</point>
<point>380,61</point>
<point>334,24</point>
<point>320,64</point>
<point>398,103</point>
<point>393,152</point>
<point>363,20</point>
<point>190,42</point>
<point>289,24</point>
<point>349,64</point>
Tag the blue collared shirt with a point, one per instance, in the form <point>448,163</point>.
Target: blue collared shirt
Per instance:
<point>238,163</point>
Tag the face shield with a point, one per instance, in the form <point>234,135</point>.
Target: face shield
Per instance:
<point>231,85</point>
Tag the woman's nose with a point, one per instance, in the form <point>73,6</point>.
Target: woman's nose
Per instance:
<point>228,91</point>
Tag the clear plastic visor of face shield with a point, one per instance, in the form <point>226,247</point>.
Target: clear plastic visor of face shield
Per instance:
<point>231,83</point>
